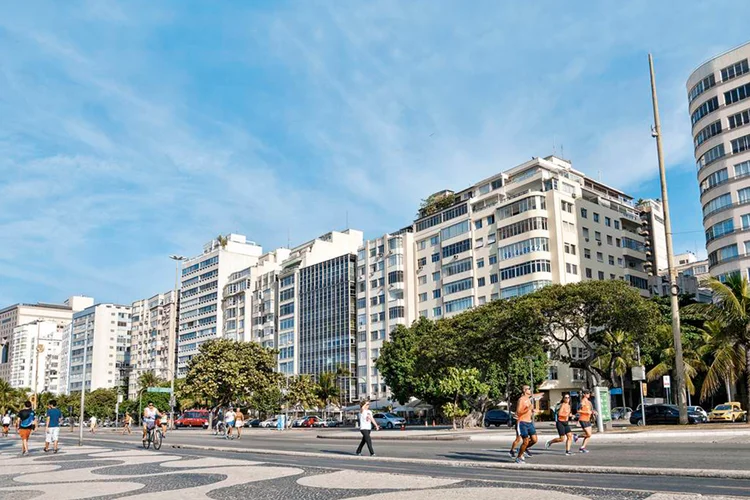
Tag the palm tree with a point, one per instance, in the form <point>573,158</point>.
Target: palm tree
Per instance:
<point>328,388</point>
<point>692,355</point>
<point>731,308</point>
<point>615,354</point>
<point>222,241</point>
<point>727,360</point>
<point>148,379</point>
<point>7,396</point>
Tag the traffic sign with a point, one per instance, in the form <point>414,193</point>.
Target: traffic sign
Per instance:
<point>616,391</point>
<point>159,389</point>
<point>667,382</point>
<point>644,388</point>
<point>638,372</point>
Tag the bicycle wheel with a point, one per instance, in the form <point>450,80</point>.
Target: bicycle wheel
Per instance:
<point>157,440</point>
<point>147,441</point>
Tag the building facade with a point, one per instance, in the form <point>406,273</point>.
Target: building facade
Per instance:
<point>22,314</point>
<point>719,107</point>
<point>654,232</point>
<point>203,281</point>
<point>152,338</point>
<point>36,356</point>
<point>386,298</point>
<point>103,331</point>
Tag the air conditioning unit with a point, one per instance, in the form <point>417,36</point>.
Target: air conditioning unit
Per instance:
<point>599,243</point>
<point>587,240</point>
<point>455,257</point>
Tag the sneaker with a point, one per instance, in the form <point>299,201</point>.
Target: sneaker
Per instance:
<point>512,453</point>
<point>583,450</point>
<point>520,460</point>
<point>548,444</point>
<point>528,454</point>
<point>568,453</point>
<point>575,438</point>
<point>54,451</point>
<point>372,454</point>
<point>46,450</point>
<point>358,454</point>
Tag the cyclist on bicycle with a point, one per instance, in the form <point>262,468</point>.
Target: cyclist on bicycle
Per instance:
<point>150,414</point>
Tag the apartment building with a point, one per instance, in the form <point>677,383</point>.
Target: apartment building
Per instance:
<point>719,106</point>
<point>22,314</point>
<point>152,338</point>
<point>103,332</point>
<point>36,356</point>
<point>386,298</point>
<point>654,232</point>
<point>691,274</point>
<point>315,309</point>
<point>203,281</point>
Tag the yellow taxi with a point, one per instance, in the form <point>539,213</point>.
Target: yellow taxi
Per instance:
<point>728,412</point>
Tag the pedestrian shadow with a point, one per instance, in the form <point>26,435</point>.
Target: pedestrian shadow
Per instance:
<point>477,457</point>
<point>339,453</point>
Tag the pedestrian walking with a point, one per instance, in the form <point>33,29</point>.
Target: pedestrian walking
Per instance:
<point>366,421</point>
<point>585,412</point>
<point>229,420</point>
<point>526,429</point>
<point>127,422</point>
<point>92,424</point>
<point>6,424</point>
<point>25,425</point>
<point>239,422</point>
<point>563,426</point>
<point>52,427</point>
<point>163,423</point>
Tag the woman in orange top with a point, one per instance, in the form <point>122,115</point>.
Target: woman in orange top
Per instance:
<point>585,412</point>
<point>563,426</point>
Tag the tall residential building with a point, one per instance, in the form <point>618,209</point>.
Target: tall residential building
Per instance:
<point>691,273</point>
<point>316,308</point>
<point>203,281</point>
<point>539,223</point>
<point>652,218</point>
<point>386,297</point>
<point>104,331</point>
<point>21,314</point>
<point>719,106</point>
<point>36,356</point>
<point>153,338</point>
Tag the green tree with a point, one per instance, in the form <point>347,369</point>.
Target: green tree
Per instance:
<point>616,353</point>
<point>725,360</point>
<point>101,403</point>
<point>731,307</point>
<point>328,388</point>
<point>149,379</point>
<point>302,393</point>
<point>692,355</point>
<point>267,401</point>
<point>227,371</point>
<point>459,385</point>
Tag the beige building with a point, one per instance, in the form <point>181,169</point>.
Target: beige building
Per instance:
<point>719,106</point>
<point>36,356</point>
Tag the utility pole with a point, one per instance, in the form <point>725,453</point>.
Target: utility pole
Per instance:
<point>679,363</point>
<point>173,331</point>
<point>83,384</point>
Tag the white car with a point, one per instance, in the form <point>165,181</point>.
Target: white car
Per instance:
<point>270,422</point>
<point>388,420</point>
<point>698,409</point>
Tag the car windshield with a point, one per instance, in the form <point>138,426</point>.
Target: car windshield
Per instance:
<point>391,415</point>
<point>723,407</point>
<point>193,414</point>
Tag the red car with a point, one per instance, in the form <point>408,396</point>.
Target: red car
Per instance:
<point>192,418</point>
<point>309,422</point>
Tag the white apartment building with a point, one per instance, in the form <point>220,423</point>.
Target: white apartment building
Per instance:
<point>103,330</point>
<point>539,223</point>
<point>153,338</point>
<point>248,300</point>
<point>203,281</point>
<point>719,107</point>
<point>652,219</point>
<point>386,297</point>
<point>21,314</point>
<point>316,309</point>
<point>691,273</point>
<point>36,356</point>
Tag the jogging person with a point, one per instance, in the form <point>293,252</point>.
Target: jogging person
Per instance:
<point>25,425</point>
<point>239,422</point>
<point>149,418</point>
<point>52,429</point>
<point>585,412</point>
<point>127,421</point>
<point>366,421</point>
<point>229,420</point>
<point>516,442</point>
<point>525,414</point>
<point>563,426</point>
<point>92,424</point>
<point>6,424</point>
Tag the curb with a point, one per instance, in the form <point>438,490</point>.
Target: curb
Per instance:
<point>636,471</point>
<point>357,437</point>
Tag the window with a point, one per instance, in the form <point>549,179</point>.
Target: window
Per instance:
<point>570,248</point>
<point>480,263</point>
<point>584,213</point>
<point>608,222</point>
<point>375,353</point>
<point>597,236</point>
<point>617,242</point>
<point>534,266</point>
<point>396,312</point>
<point>478,224</point>
<point>491,238</point>
<point>743,195</point>
<point>587,253</point>
<point>601,275</point>
<point>286,309</point>
<point>436,276</point>
<point>361,303</point>
<point>620,262</point>
<point>454,230</point>
<point>455,212</point>
<point>493,259</point>
<point>569,227</point>
<point>609,240</point>
<point>704,109</point>
<point>566,206</point>
<point>722,254</point>
<point>577,374</point>
<point>435,257</point>
<point>456,248</point>
<point>701,86</point>
<point>421,244</point>
<point>523,248</point>
<point>459,305</point>
<point>707,132</point>
<point>395,277</point>
<point>571,268</point>
<point>596,217</point>
<point>481,282</point>
<point>482,300</point>
<point>435,240</point>
<point>479,243</point>
<point>599,257</point>
<point>459,266</point>
<point>617,224</point>
<point>437,312</point>
<point>521,227</point>
<point>458,286</point>
<point>490,219</point>
<point>585,232</point>
<point>493,278</point>
<point>289,280</point>
<point>714,179</point>
<point>552,373</point>
<point>523,289</point>
<point>521,206</point>
<point>588,273</point>
<point>395,260</point>
<point>745,221</point>
<point>736,95</point>
<point>741,144</point>
<point>422,262</point>
<point>742,169</point>
<point>719,229</point>
<point>286,294</point>
<point>711,156</point>
<point>436,293</point>
<point>423,297</point>
<point>422,280</point>
<point>739,119</point>
<point>717,204</point>
<point>611,260</point>
<point>735,70</point>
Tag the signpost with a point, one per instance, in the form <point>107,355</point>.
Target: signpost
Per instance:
<point>159,389</point>
<point>616,391</point>
<point>667,382</point>
<point>639,374</point>
<point>603,411</point>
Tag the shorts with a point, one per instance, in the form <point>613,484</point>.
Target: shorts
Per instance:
<point>149,424</point>
<point>563,428</point>
<point>51,434</point>
<point>229,424</point>
<point>239,423</point>
<point>5,427</point>
<point>526,429</point>
<point>24,433</point>
<point>585,425</point>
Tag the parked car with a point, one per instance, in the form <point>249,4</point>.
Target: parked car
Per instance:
<point>270,422</point>
<point>699,410</point>
<point>310,421</point>
<point>298,422</point>
<point>728,412</point>
<point>621,413</point>
<point>389,420</point>
<point>253,423</point>
<point>498,418</point>
<point>331,422</point>
<point>665,414</point>
<point>192,418</point>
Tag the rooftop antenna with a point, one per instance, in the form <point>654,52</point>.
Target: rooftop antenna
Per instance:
<point>599,173</point>
<point>562,151</point>
<point>347,219</point>
<point>288,238</point>
<point>554,146</point>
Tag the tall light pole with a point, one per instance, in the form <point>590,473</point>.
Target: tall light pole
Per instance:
<point>39,350</point>
<point>679,363</point>
<point>179,259</point>
<point>83,383</point>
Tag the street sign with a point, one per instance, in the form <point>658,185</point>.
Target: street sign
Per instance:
<point>644,388</point>
<point>667,382</point>
<point>616,391</point>
<point>159,389</point>
<point>602,394</point>
<point>638,372</point>
<point>119,398</point>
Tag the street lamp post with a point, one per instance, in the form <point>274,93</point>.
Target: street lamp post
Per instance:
<point>679,365</point>
<point>83,385</point>
<point>39,350</point>
<point>179,259</point>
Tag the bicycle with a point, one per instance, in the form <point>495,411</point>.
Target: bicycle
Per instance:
<point>153,437</point>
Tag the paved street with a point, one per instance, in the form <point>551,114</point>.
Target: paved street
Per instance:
<point>112,468</point>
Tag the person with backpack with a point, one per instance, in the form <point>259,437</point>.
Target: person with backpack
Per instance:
<point>25,425</point>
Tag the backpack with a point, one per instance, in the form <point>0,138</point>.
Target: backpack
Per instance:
<point>29,421</point>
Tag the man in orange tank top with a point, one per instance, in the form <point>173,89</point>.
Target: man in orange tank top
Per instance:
<point>585,412</point>
<point>526,429</point>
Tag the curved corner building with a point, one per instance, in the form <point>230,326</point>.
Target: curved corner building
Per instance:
<point>719,104</point>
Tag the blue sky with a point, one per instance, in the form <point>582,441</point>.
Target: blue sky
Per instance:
<point>132,130</point>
